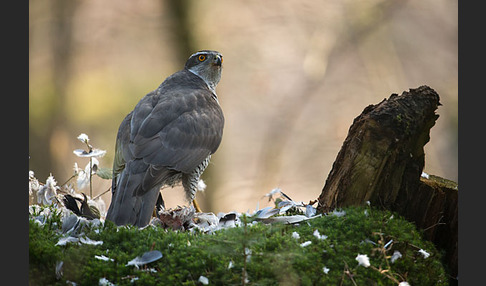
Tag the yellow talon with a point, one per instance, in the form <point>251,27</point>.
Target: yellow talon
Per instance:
<point>196,206</point>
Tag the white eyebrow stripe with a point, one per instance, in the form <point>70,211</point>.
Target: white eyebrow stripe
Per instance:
<point>204,53</point>
<point>198,53</point>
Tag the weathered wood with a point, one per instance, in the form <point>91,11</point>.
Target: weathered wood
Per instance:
<point>381,161</point>
<point>434,208</point>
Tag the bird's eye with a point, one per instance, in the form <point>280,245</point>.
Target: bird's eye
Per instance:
<point>201,58</point>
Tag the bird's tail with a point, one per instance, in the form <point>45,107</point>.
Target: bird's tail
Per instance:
<point>128,207</point>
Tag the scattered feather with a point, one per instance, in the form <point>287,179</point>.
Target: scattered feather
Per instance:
<point>151,270</point>
<point>201,186</point>
<point>88,208</point>
<point>266,213</point>
<point>33,184</point>
<point>206,222</point>
<point>295,235</point>
<point>87,240</point>
<point>104,258</point>
<point>203,280</point>
<point>69,223</point>
<point>310,211</point>
<point>363,260</point>
<point>65,240</point>
<point>288,219</point>
<point>248,254</point>
<point>273,193</point>
<point>388,243</point>
<point>46,194</point>
<point>367,240</point>
<point>245,277</point>
<point>83,176</point>
<point>286,205</point>
<point>59,271</point>
<point>318,235</point>
<point>147,257</point>
<point>105,282</point>
<point>228,220</point>
<point>338,213</point>
<point>395,256</point>
<point>424,253</point>
<point>305,244</point>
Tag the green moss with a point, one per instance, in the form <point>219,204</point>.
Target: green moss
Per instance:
<point>440,182</point>
<point>267,253</point>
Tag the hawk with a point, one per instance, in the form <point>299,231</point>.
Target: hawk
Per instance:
<point>168,138</point>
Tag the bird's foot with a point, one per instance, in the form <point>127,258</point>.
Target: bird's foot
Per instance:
<point>196,206</point>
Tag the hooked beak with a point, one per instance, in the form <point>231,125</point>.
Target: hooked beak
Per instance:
<point>218,61</point>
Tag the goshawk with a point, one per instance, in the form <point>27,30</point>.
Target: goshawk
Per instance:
<point>168,138</point>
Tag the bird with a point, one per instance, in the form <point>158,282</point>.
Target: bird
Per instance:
<point>168,138</point>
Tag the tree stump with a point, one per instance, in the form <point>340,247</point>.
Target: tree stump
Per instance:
<point>381,161</point>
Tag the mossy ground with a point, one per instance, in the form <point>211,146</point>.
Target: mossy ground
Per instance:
<point>253,254</point>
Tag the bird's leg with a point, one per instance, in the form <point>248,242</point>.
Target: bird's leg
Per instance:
<point>190,182</point>
<point>196,206</point>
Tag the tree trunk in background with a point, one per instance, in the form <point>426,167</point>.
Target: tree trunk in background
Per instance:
<point>181,29</point>
<point>381,161</point>
<point>50,147</point>
<point>185,44</point>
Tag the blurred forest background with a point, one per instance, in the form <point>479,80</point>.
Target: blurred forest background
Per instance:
<point>295,75</point>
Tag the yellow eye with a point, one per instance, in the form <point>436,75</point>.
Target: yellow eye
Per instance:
<point>201,58</point>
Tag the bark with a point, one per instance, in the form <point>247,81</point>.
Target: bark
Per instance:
<point>61,45</point>
<point>381,161</point>
<point>433,208</point>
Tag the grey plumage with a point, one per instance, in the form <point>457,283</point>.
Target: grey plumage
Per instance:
<point>168,138</point>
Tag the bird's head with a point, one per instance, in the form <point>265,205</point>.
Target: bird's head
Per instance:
<point>207,65</point>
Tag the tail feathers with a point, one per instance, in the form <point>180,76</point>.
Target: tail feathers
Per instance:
<point>129,208</point>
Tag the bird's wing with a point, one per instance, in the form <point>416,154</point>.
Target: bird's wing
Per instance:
<point>172,129</point>
<point>121,146</point>
<point>176,128</point>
